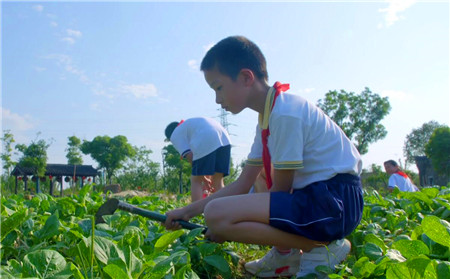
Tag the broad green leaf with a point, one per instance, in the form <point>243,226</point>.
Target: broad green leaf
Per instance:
<point>443,270</point>
<point>134,264</point>
<point>83,192</point>
<point>430,192</point>
<point>372,238</point>
<point>107,251</point>
<point>363,268</point>
<point>5,274</point>
<point>192,235</point>
<point>115,271</point>
<point>166,239</point>
<point>50,228</point>
<point>435,230</point>
<point>44,264</point>
<point>76,272</point>
<point>422,265</point>
<point>395,255</point>
<point>411,248</point>
<point>133,237</point>
<point>372,251</point>
<point>207,248</point>
<point>401,271</point>
<point>218,262</point>
<point>163,266</point>
<point>13,222</point>
<point>418,196</point>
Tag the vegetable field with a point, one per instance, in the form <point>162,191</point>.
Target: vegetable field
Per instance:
<point>402,235</point>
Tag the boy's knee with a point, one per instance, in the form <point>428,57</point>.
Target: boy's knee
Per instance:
<point>214,213</point>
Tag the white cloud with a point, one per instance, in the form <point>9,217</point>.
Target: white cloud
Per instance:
<point>392,11</point>
<point>54,23</point>
<point>66,63</point>
<point>38,8</point>
<point>140,91</point>
<point>16,121</point>
<point>394,94</point>
<point>73,33</point>
<point>193,64</point>
<point>68,40</point>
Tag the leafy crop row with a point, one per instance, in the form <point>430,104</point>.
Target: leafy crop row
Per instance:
<point>402,235</point>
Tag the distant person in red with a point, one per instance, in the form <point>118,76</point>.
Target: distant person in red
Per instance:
<point>398,178</point>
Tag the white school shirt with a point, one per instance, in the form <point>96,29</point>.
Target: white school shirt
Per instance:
<point>199,135</point>
<point>403,184</point>
<point>304,138</point>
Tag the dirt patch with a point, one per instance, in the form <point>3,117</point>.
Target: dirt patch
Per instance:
<point>131,193</point>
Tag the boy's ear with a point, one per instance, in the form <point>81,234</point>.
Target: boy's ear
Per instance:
<point>248,77</point>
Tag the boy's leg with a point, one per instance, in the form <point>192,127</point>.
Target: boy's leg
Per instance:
<point>217,182</point>
<point>237,218</point>
<point>245,218</point>
<point>196,187</point>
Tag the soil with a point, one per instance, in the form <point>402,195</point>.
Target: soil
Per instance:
<point>131,193</point>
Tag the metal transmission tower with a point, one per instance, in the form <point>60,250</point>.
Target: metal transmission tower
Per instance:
<point>224,120</point>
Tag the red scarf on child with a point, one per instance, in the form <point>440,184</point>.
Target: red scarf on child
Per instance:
<point>402,174</point>
<point>265,134</point>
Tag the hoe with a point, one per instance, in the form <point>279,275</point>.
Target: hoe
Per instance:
<point>109,207</point>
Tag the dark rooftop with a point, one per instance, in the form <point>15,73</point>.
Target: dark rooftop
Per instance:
<point>59,170</point>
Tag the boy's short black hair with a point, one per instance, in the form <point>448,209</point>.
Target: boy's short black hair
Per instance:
<point>169,129</point>
<point>233,54</point>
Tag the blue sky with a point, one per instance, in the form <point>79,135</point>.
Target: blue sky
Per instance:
<point>120,68</point>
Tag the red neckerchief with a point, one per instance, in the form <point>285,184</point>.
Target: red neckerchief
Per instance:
<point>402,174</point>
<point>265,134</point>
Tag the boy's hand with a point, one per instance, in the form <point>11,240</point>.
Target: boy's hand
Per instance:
<point>176,214</point>
<point>214,238</point>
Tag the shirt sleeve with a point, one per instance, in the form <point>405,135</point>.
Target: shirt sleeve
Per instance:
<point>391,182</point>
<point>286,142</point>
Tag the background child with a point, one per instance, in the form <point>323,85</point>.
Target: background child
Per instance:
<point>207,146</point>
<point>315,196</point>
<point>398,178</point>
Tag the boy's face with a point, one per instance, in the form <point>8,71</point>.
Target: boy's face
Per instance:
<point>230,95</point>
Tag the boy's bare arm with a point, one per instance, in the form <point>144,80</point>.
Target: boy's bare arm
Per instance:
<point>282,180</point>
<point>189,157</point>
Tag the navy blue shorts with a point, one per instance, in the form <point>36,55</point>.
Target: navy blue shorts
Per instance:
<point>323,211</point>
<point>216,161</point>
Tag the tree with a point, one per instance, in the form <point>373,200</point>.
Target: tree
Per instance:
<point>139,171</point>
<point>375,177</point>
<point>110,153</point>
<point>438,150</point>
<point>7,140</point>
<point>35,157</point>
<point>73,151</point>
<point>359,116</point>
<point>416,140</point>
<point>177,171</point>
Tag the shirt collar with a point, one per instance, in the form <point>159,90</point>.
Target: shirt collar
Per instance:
<point>263,119</point>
